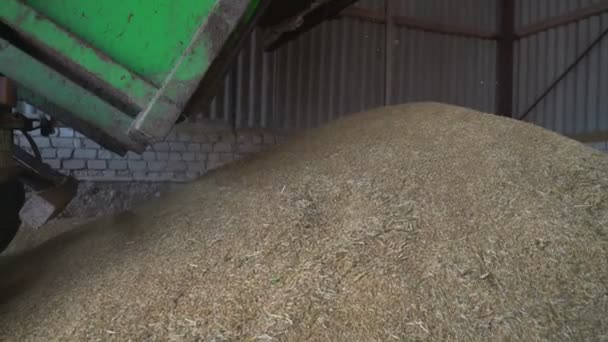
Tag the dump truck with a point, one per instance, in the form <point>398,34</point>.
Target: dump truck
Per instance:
<point>121,72</point>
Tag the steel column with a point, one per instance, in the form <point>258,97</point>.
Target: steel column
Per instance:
<point>504,55</point>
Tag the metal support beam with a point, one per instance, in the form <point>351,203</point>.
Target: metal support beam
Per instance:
<point>504,55</point>
<point>363,14</point>
<point>580,14</point>
<point>561,77</point>
<point>388,51</point>
<point>284,21</point>
<point>419,24</point>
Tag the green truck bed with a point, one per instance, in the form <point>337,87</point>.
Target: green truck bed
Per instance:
<point>120,71</point>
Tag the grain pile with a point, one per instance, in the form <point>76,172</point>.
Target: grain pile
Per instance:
<point>418,222</point>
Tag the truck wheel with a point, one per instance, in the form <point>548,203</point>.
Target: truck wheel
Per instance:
<point>12,198</point>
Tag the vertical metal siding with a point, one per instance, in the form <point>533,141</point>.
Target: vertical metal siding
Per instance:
<point>246,99</point>
<point>437,67</point>
<point>434,67</point>
<point>576,106</point>
<point>338,68</point>
<point>335,69</point>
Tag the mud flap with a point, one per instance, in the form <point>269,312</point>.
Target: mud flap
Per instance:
<point>52,191</point>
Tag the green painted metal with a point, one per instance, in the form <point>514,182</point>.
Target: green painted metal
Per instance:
<point>146,36</point>
<point>19,16</point>
<point>39,78</point>
<point>155,121</point>
<point>147,56</point>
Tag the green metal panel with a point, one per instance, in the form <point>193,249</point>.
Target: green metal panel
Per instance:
<point>220,29</point>
<point>146,36</point>
<point>31,23</point>
<point>143,57</point>
<point>39,78</point>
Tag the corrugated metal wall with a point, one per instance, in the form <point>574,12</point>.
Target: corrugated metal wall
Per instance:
<point>448,69</point>
<point>246,96</point>
<point>335,69</point>
<point>339,68</point>
<point>579,103</point>
<point>438,67</point>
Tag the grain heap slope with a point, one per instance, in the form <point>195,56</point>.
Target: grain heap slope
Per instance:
<point>415,222</point>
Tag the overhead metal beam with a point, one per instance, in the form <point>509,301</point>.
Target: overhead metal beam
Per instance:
<point>580,14</point>
<point>419,24</point>
<point>284,21</point>
<point>364,14</point>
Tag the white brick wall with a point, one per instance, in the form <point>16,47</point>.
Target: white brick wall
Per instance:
<point>182,157</point>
